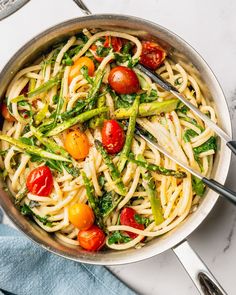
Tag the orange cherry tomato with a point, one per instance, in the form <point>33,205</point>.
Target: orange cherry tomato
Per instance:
<point>6,114</point>
<point>77,144</point>
<point>81,216</point>
<point>92,239</point>
<point>82,61</point>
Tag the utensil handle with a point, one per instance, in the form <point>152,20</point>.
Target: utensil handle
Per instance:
<point>232,145</point>
<point>197,270</point>
<point>83,7</point>
<point>220,189</point>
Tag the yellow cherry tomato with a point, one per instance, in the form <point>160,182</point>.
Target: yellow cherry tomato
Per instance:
<point>77,144</point>
<point>81,216</point>
<point>75,69</point>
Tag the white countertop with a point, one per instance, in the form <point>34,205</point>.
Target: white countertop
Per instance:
<point>210,27</point>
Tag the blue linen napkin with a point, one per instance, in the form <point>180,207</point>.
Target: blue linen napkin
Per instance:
<point>27,269</point>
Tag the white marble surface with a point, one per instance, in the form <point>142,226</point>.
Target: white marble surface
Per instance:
<point>210,27</point>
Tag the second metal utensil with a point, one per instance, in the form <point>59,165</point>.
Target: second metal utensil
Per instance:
<point>211,183</point>
<point>170,88</point>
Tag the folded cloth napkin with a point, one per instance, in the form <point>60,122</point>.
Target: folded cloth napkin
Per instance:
<point>27,269</point>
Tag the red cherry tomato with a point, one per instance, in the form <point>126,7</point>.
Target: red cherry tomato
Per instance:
<point>113,137</point>
<point>127,218</point>
<point>91,239</point>
<point>152,55</point>
<point>123,80</point>
<point>40,182</point>
<point>115,42</point>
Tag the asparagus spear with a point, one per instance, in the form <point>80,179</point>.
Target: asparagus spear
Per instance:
<point>92,200</point>
<point>148,109</point>
<point>115,174</point>
<point>44,87</point>
<point>98,120</point>
<point>150,186</point>
<point>78,119</point>
<point>33,149</point>
<point>129,134</point>
<point>158,169</point>
<point>49,143</point>
<point>94,90</point>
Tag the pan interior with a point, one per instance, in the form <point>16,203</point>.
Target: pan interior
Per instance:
<point>180,52</point>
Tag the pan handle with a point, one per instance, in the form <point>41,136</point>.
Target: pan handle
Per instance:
<point>197,270</point>
<point>83,7</point>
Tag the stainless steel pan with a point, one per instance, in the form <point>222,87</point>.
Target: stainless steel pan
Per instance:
<point>179,51</point>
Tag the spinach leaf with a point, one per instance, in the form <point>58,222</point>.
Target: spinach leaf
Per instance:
<point>198,186</point>
<point>188,134</point>
<point>144,97</point>
<point>124,100</point>
<point>26,210</point>
<point>142,220</point>
<point>108,202</point>
<point>210,144</point>
<point>118,237</point>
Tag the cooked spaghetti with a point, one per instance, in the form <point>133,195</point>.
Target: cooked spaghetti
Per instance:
<point>73,177</point>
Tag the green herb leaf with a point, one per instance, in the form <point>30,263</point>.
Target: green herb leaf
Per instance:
<point>118,237</point>
<point>26,210</point>
<point>188,134</point>
<point>210,144</point>
<point>198,186</point>
<point>142,220</point>
<point>67,60</point>
<point>108,202</point>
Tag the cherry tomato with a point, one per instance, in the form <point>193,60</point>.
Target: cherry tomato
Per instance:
<point>75,69</point>
<point>91,239</point>
<point>127,218</point>
<point>77,144</point>
<point>81,216</point>
<point>123,80</point>
<point>115,42</point>
<point>6,114</point>
<point>113,137</point>
<point>40,182</point>
<point>152,55</point>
